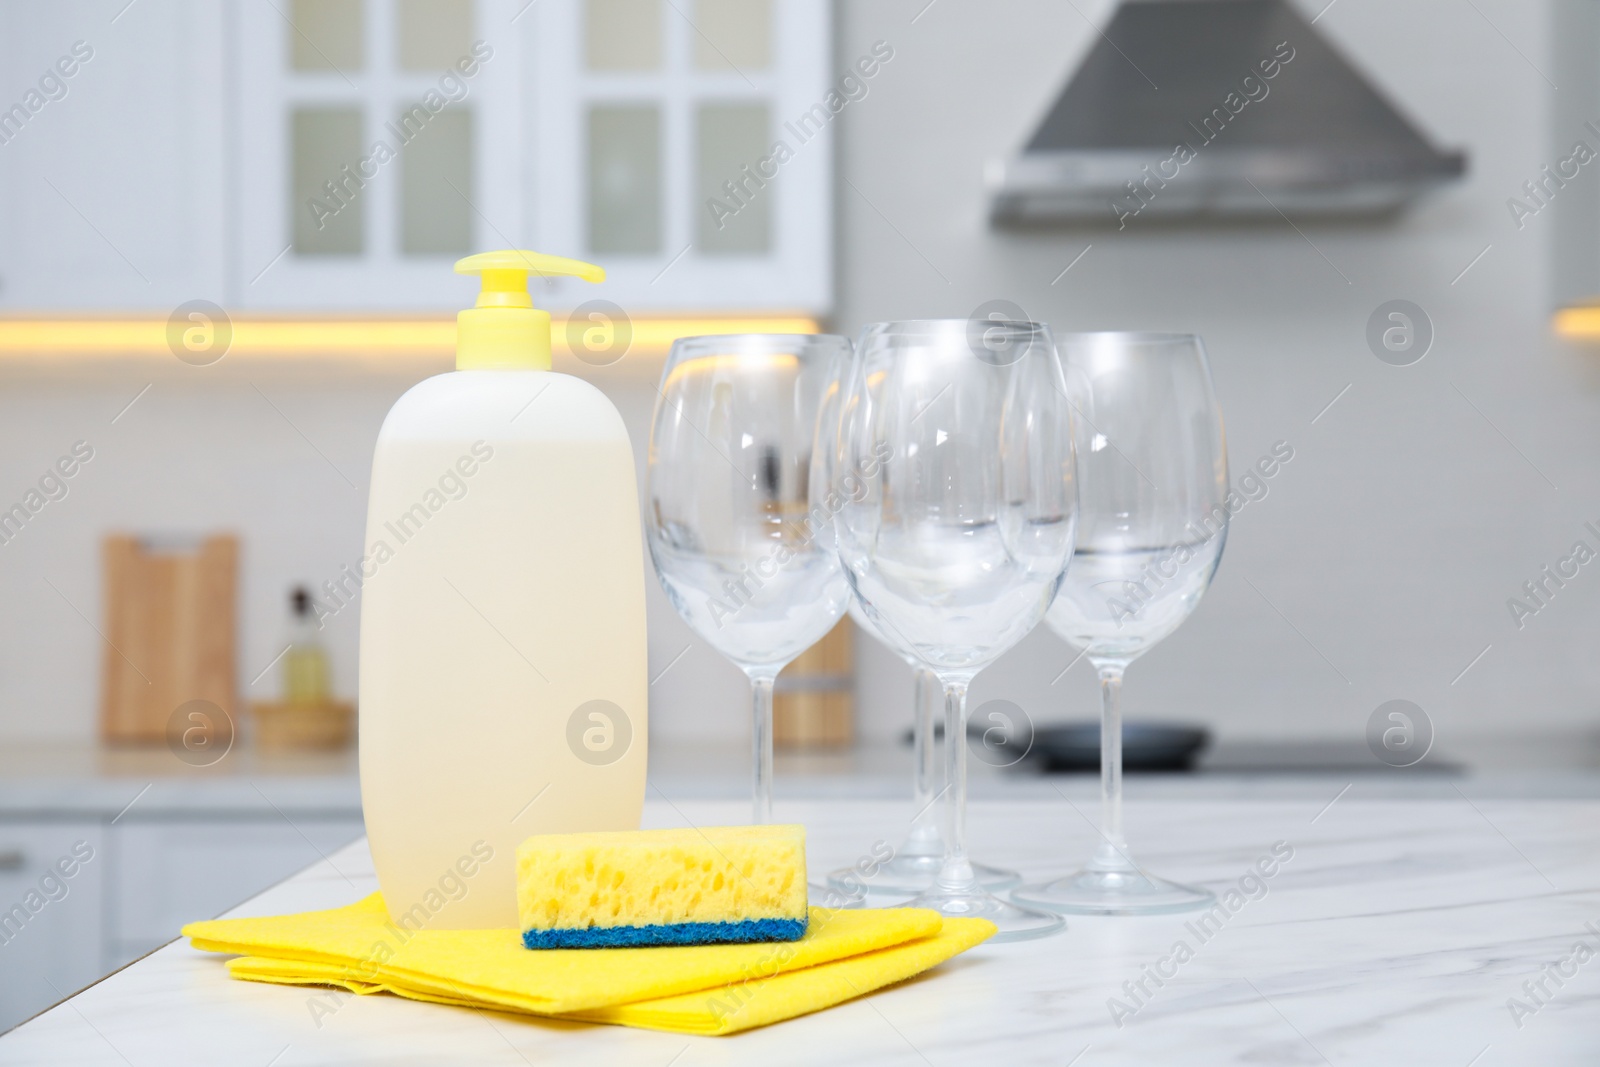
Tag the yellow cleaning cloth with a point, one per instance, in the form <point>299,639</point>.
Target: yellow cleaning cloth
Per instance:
<point>703,989</point>
<point>784,996</point>
<point>493,967</point>
<point>716,1011</point>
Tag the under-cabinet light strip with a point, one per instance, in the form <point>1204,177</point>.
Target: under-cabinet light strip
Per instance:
<point>376,338</point>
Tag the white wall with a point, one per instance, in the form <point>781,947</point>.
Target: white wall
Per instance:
<point>1406,519</point>
<point>280,454</point>
<point>1391,541</point>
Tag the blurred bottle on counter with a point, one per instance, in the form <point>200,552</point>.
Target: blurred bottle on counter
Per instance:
<point>307,716</point>
<point>305,665</point>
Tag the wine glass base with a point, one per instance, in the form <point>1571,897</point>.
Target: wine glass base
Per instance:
<point>914,874</point>
<point>1015,923</point>
<point>1092,892</point>
<point>819,895</point>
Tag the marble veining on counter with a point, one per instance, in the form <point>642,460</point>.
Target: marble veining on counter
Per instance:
<point>91,780</point>
<point>1357,929</point>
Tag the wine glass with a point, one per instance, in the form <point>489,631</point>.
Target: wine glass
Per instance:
<point>961,435</point>
<point>913,866</point>
<point>1152,521</point>
<point>729,515</point>
<point>917,861</point>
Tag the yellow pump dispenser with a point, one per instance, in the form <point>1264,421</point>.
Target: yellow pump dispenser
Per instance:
<point>504,671</point>
<point>504,331</point>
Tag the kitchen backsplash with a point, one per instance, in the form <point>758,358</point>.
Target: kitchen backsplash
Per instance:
<point>1378,565</point>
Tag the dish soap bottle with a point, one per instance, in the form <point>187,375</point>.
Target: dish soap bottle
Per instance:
<point>503,671</point>
<point>305,663</point>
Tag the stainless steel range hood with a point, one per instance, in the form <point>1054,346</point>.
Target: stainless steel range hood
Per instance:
<point>1220,108</point>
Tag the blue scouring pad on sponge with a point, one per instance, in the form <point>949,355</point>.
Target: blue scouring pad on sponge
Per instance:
<point>663,887</point>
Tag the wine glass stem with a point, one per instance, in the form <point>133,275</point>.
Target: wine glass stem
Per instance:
<point>925,825</point>
<point>1112,853</point>
<point>761,739</point>
<point>956,873</point>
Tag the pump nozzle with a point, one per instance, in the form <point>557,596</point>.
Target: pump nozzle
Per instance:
<point>504,331</point>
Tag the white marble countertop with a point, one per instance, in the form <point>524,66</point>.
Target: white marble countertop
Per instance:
<point>1396,934</point>
<point>72,779</point>
<point>83,779</point>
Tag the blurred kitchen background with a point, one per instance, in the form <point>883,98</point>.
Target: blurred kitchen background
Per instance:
<point>180,171</point>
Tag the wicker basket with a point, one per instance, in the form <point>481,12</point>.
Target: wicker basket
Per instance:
<point>281,726</point>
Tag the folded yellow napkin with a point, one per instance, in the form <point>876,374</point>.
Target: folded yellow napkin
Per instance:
<point>699,989</point>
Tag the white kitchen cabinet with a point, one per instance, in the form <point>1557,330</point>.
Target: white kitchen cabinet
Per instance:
<point>694,160</point>
<point>52,877</point>
<point>81,897</point>
<point>624,131</point>
<point>1572,216</point>
<point>228,151</point>
<point>170,872</point>
<point>112,178</point>
<point>171,844</point>
<point>336,222</point>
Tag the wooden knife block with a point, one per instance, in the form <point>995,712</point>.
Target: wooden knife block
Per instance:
<point>169,618</point>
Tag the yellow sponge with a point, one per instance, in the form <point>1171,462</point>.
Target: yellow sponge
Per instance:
<point>663,887</point>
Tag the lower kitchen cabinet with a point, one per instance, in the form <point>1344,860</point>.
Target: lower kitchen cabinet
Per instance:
<point>171,872</point>
<point>52,895</point>
<point>80,898</point>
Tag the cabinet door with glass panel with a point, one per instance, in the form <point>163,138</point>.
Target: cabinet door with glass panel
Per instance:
<point>376,142</point>
<point>687,145</point>
<point>684,144</point>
